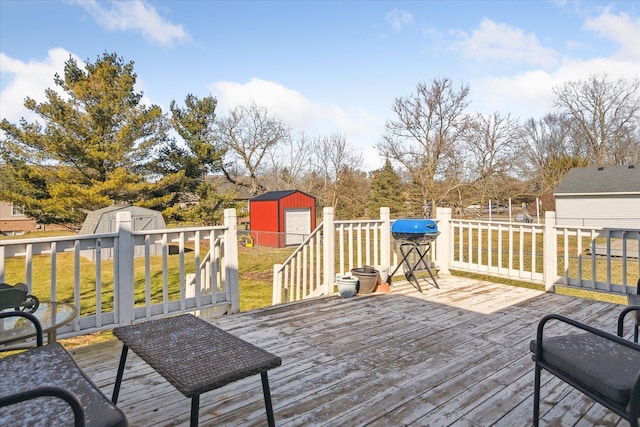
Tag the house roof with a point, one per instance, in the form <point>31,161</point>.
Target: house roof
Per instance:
<point>597,180</point>
<point>277,195</point>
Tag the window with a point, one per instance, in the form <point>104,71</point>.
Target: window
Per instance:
<point>15,211</point>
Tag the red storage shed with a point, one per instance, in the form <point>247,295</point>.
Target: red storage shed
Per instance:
<point>282,218</point>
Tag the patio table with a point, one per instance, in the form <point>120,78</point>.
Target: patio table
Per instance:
<point>195,357</point>
<point>51,314</point>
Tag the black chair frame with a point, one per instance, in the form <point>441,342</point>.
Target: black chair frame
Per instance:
<point>635,300</point>
<point>67,396</point>
<point>629,413</point>
<point>64,380</point>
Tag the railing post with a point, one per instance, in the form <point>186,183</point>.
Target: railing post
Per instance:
<point>328,254</point>
<point>230,258</point>
<point>443,243</point>
<point>124,292</point>
<point>277,285</point>
<point>385,237</point>
<point>550,251</point>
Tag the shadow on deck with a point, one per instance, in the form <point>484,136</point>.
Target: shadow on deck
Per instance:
<point>457,355</point>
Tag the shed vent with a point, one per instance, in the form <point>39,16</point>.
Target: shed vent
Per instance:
<point>632,166</point>
<point>601,168</point>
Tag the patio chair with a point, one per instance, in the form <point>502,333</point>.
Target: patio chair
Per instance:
<point>44,386</point>
<point>634,299</point>
<point>601,365</point>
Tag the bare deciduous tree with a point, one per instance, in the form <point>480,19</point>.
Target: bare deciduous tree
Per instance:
<point>249,133</point>
<point>545,143</point>
<point>289,163</point>
<point>332,159</point>
<point>493,145</point>
<point>605,114</point>
<point>423,136</point>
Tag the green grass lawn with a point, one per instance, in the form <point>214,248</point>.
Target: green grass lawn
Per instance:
<point>255,267</point>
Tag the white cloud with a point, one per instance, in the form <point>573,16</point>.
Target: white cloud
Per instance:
<point>28,79</point>
<point>621,29</point>
<point>134,15</point>
<point>496,41</point>
<point>530,94</point>
<point>361,128</point>
<point>31,79</point>
<point>288,104</point>
<point>398,18</point>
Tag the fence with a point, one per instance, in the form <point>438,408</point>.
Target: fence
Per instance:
<point>596,259</point>
<point>197,269</point>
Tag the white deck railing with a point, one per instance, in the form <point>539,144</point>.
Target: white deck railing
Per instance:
<point>146,274</point>
<point>344,244</point>
<point>504,249</point>
<point>131,276</point>
<point>587,258</point>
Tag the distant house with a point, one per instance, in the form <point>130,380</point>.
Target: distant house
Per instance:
<point>605,196</point>
<point>13,222</point>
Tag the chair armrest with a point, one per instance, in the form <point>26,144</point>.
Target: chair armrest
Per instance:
<point>67,396</point>
<point>584,327</point>
<point>30,317</point>
<point>621,316</point>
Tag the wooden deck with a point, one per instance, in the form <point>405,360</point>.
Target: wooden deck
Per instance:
<point>458,355</point>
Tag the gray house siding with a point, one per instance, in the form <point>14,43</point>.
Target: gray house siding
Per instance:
<point>606,197</point>
<point>598,211</point>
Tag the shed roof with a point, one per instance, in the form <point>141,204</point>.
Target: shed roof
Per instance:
<point>595,180</point>
<point>277,195</point>
<point>93,218</point>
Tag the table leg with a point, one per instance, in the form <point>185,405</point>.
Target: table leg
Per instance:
<point>116,386</point>
<point>195,408</point>
<point>267,399</point>
<point>51,336</point>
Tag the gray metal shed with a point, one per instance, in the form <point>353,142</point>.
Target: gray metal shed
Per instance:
<point>599,196</point>
<point>103,221</point>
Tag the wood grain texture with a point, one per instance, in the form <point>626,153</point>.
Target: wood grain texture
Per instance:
<point>458,355</point>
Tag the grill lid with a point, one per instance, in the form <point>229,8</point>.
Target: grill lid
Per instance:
<point>418,227</point>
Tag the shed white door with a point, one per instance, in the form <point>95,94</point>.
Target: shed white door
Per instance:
<point>297,225</point>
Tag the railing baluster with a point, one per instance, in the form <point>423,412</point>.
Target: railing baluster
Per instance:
<point>341,247</point>
<point>98,288</point>
<point>54,270</point>
<point>350,249</point>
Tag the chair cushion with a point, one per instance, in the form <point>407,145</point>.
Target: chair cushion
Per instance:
<point>602,365</point>
<point>51,365</point>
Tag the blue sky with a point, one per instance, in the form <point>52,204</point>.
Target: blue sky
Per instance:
<point>323,66</point>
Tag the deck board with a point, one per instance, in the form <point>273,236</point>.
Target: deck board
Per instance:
<point>457,355</point>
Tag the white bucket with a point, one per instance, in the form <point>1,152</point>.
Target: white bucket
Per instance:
<point>384,273</point>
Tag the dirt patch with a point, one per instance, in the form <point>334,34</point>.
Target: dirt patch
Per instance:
<point>258,276</point>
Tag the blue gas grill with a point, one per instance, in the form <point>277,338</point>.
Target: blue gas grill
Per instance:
<point>412,242</point>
